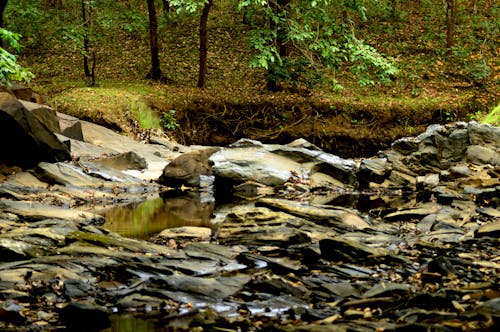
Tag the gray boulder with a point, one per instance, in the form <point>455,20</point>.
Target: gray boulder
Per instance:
<point>188,169</point>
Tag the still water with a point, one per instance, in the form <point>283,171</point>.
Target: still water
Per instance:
<point>145,219</point>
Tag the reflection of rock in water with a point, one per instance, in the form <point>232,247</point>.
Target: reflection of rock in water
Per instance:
<point>188,210</point>
<point>150,217</point>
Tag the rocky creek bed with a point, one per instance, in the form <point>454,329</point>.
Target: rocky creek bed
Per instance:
<point>417,247</point>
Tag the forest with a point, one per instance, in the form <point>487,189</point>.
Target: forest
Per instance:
<point>211,71</point>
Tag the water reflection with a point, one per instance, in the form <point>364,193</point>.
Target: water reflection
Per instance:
<point>146,219</point>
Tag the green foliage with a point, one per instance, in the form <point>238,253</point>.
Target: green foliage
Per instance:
<point>10,69</point>
<point>187,6</point>
<point>27,18</point>
<point>299,74</point>
<point>313,37</point>
<point>168,120</point>
<point>493,117</point>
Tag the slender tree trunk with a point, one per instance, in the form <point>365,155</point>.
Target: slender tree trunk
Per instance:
<point>3,4</point>
<point>278,7</point>
<point>202,73</point>
<point>281,43</point>
<point>451,14</point>
<point>166,5</point>
<point>86,43</point>
<point>155,72</point>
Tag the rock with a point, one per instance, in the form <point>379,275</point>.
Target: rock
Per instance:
<point>216,288</point>
<point>372,170</point>
<point>253,164</point>
<point>340,250</point>
<point>259,226</point>
<point>481,155</point>
<point>22,92</point>
<point>70,126</point>
<point>484,135</point>
<point>26,179</point>
<point>490,229</point>
<point>34,142</point>
<point>417,212</point>
<point>156,156</point>
<point>67,174</point>
<point>274,165</point>
<point>333,216</point>
<point>187,232</point>
<point>455,145</point>
<point>45,114</point>
<point>37,211</point>
<point>187,169</point>
<point>399,179</point>
<point>123,161</point>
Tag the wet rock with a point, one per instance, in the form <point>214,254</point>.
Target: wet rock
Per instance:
<point>250,189</point>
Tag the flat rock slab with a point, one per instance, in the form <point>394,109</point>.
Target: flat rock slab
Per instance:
<point>36,211</point>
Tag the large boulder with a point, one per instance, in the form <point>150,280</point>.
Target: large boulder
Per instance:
<point>188,169</point>
<point>24,140</point>
<point>274,165</point>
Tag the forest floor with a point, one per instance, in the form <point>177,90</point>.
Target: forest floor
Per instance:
<point>355,121</point>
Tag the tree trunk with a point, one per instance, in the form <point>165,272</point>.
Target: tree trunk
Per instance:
<point>278,8</point>
<point>202,73</point>
<point>86,43</point>
<point>451,14</point>
<point>155,73</point>
<point>3,3</point>
<point>166,6</point>
<point>281,42</point>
